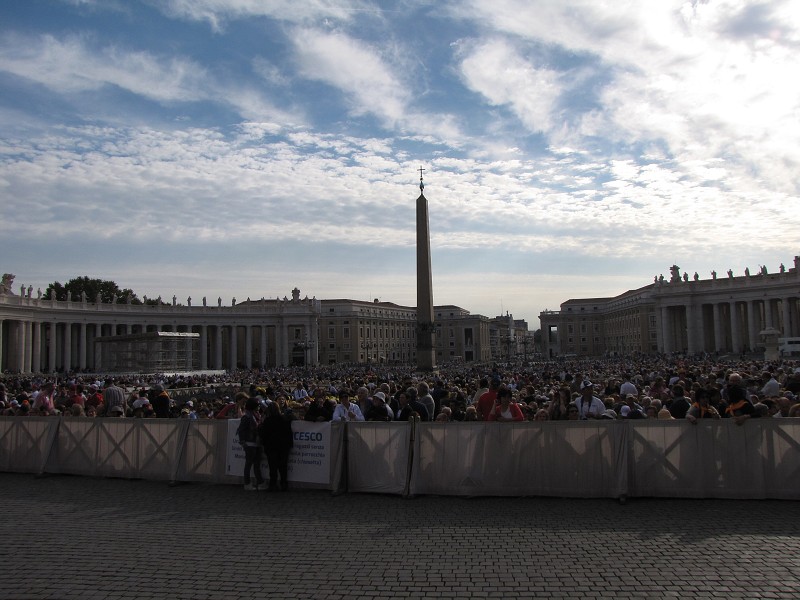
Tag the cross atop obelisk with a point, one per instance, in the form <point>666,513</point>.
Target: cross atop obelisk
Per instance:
<point>426,330</point>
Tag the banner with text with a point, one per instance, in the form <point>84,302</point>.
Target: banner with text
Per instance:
<point>309,460</point>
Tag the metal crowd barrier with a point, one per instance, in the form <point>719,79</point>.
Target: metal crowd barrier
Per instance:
<point>613,459</point>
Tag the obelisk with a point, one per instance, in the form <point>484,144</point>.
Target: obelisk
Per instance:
<point>426,331</point>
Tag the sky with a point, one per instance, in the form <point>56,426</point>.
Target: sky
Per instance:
<point>241,148</point>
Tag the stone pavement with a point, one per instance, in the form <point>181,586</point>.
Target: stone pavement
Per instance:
<point>79,537</point>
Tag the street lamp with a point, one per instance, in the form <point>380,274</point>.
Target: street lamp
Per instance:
<point>525,341</point>
<point>509,340</point>
<point>367,346</point>
<point>305,346</point>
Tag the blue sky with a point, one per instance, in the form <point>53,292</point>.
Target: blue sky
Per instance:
<point>240,148</point>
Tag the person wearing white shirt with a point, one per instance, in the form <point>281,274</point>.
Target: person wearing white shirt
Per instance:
<point>299,393</point>
<point>346,410</point>
<point>589,405</point>
<point>628,388</point>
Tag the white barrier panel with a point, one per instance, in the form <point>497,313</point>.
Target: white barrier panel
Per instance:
<point>25,443</point>
<point>204,454</point>
<point>716,459</point>
<point>309,459</point>
<point>760,459</point>
<point>377,456</point>
<point>781,449</point>
<point>584,459</point>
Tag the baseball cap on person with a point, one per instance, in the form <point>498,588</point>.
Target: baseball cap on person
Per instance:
<point>379,395</point>
<point>586,384</point>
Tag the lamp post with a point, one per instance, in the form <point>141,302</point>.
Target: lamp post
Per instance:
<point>509,340</point>
<point>368,346</point>
<point>525,341</point>
<point>305,346</point>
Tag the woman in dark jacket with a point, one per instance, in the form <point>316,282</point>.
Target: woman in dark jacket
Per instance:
<point>248,438</point>
<point>276,437</point>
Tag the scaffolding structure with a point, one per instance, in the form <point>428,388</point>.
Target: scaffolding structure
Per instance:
<point>151,352</point>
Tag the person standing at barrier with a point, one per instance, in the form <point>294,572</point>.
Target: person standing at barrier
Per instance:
<point>407,406</point>
<point>346,410</point>
<point>379,410</point>
<point>248,437</point>
<point>276,436</point>
<point>44,399</point>
<point>424,397</point>
<point>679,405</point>
<point>739,407</point>
<point>589,405</point>
<point>318,411</point>
<point>557,408</point>
<point>507,410</point>
<point>114,396</point>
<point>488,400</point>
<point>701,409</point>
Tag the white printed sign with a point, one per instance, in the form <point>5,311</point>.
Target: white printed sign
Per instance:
<point>309,459</point>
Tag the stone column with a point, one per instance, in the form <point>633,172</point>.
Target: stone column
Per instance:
<point>1,346</point>
<point>752,334</point>
<point>203,347</point>
<point>787,319</point>
<point>264,346</point>
<point>96,350</point>
<point>27,328</point>
<point>717,328</point>
<point>736,330</point>
<point>767,313</point>
<point>283,348</point>
<point>693,330</point>
<point>82,347</point>
<point>234,359</point>
<point>53,350</point>
<point>36,365</point>
<point>248,346</point>
<point>67,347</point>
<point>218,349</point>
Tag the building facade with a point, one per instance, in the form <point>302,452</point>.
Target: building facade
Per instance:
<point>681,314</point>
<point>39,335</point>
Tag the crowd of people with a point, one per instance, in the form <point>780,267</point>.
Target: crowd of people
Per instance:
<point>266,401</point>
<point>654,387</point>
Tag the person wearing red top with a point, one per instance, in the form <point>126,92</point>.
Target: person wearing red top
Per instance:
<point>488,401</point>
<point>506,410</point>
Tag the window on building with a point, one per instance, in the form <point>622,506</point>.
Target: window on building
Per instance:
<point>331,332</point>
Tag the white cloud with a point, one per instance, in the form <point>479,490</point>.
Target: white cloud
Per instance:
<point>69,65</point>
<point>354,68</point>
<point>217,12</point>
<point>72,65</point>
<point>496,70</point>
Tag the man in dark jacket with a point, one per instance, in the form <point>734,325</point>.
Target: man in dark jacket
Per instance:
<point>680,404</point>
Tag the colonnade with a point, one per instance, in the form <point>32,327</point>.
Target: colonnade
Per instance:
<point>726,326</point>
<point>38,335</point>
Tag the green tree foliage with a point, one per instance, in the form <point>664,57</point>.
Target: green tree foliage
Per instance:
<point>108,291</point>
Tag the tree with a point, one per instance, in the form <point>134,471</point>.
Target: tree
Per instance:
<point>73,289</point>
